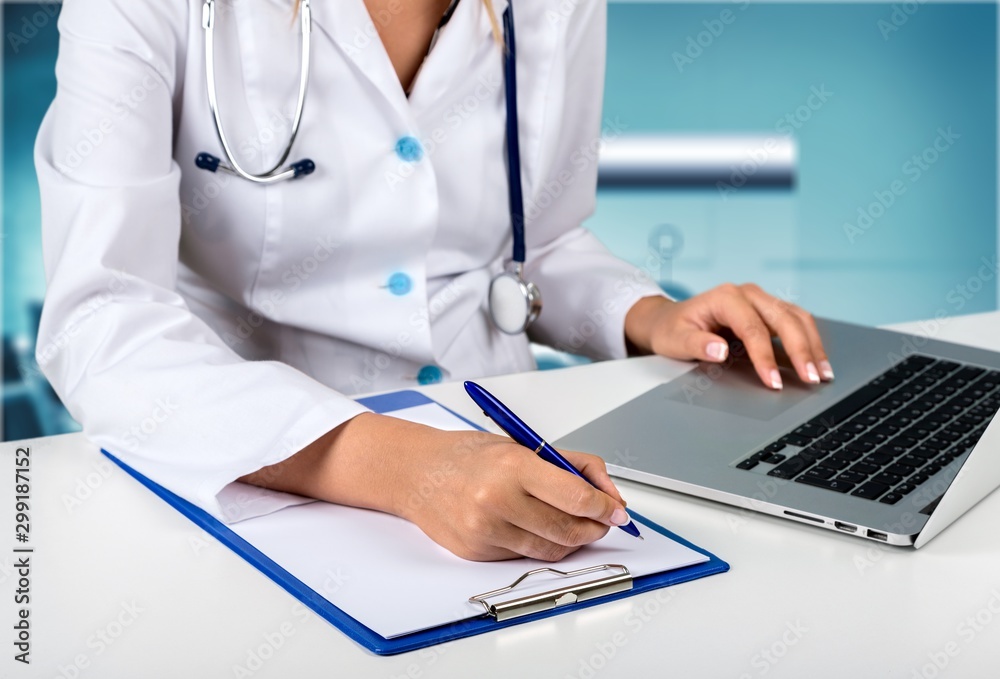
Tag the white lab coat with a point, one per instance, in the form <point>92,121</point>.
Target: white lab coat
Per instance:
<point>201,327</point>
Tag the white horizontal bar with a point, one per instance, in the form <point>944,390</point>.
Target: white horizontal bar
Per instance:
<point>698,160</point>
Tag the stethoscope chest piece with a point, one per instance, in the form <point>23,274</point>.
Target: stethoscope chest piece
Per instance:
<point>514,303</point>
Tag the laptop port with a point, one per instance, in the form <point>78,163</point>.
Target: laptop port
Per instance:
<point>804,516</point>
<point>877,535</point>
<point>845,527</point>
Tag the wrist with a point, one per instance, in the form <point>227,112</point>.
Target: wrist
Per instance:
<point>364,462</point>
<point>641,321</point>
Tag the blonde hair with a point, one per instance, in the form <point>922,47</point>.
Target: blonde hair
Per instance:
<point>497,33</point>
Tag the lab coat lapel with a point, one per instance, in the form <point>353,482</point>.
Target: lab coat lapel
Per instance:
<point>467,32</point>
<point>349,26</point>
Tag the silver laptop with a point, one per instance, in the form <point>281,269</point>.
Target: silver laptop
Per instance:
<point>897,448</point>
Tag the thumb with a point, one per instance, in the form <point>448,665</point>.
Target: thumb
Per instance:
<point>693,343</point>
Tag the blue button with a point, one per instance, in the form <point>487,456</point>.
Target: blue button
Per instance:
<point>429,374</point>
<point>400,284</point>
<point>409,149</point>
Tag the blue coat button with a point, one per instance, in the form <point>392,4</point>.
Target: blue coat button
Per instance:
<point>409,149</point>
<point>429,374</point>
<point>400,284</point>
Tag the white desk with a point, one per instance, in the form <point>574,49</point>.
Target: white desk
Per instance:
<point>124,586</point>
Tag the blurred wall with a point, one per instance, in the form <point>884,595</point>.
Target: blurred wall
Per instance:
<point>863,87</point>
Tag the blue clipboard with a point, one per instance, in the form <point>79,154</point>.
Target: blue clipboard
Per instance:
<point>374,642</point>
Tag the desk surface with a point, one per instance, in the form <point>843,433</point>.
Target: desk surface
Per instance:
<point>123,586</point>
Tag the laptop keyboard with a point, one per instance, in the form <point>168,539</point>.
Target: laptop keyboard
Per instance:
<point>885,439</point>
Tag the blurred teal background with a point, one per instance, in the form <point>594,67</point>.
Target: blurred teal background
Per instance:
<point>676,68</point>
<point>890,95</point>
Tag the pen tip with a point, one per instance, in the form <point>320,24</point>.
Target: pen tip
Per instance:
<point>641,538</point>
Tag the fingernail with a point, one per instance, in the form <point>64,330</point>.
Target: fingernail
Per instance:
<point>776,379</point>
<point>811,373</point>
<point>717,351</point>
<point>619,517</point>
<point>826,370</point>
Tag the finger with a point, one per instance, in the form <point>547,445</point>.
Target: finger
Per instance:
<point>819,351</point>
<point>596,471</point>
<point>555,526</point>
<point>731,308</point>
<point>569,493</point>
<point>780,319</point>
<point>514,542</point>
<point>534,546</point>
<point>689,342</point>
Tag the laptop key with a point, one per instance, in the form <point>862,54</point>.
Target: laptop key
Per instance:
<point>866,419</point>
<point>905,489</point>
<point>826,443</point>
<point>872,437</point>
<point>795,440</point>
<point>913,461</point>
<point>851,476</point>
<point>898,446</point>
<point>934,467</point>
<point>789,468</point>
<point>854,427</point>
<point>812,454</point>
<point>810,430</point>
<point>891,498</point>
<point>774,458</point>
<point>838,485</point>
<point>865,468</point>
<point>971,420</point>
<point>819,472</point>
<point>871,490</point>
<point>854,402</point>
<point>899,469</point>
<point>878,458</point>
<point>910,437</point>
<point>848,454</point>
<point>887,478</point>
<point>837,463</point>
<point>886,428</point>
<point>935,443</point>
<point>748,463</point>
<point>948,436</point>
<point>775,447</point>
<point>970,373</point>
<point>878,410</point>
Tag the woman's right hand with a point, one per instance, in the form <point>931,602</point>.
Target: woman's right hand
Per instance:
<point>479,495</point>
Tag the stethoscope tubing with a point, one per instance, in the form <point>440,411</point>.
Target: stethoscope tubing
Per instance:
<point>526,301</point>
<point>275,174</point>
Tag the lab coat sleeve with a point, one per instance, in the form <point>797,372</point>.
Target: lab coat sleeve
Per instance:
<point>148,380</point>
<point>586,291</point>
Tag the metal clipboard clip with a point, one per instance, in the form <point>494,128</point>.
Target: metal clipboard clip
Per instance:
<point>563,596</point>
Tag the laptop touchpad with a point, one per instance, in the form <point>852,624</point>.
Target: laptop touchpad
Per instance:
<point>736,389</point>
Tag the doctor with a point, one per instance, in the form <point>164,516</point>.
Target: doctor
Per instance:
<point>209,326</point>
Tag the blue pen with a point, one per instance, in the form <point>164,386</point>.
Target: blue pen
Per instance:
<point>523,434</point>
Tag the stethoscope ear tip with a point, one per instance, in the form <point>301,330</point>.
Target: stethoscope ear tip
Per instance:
<point>206,161</point>
<point>303,168</point>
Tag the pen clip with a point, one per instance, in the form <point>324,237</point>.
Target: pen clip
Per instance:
<point>499,426</point>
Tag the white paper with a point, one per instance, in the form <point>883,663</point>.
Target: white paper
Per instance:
<point>384,572</point>
<point>433,415</point>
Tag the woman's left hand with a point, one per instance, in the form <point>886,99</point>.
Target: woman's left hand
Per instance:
<point>688,330</point>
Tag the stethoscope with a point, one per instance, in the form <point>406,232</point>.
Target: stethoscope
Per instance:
<point>514,303</point>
